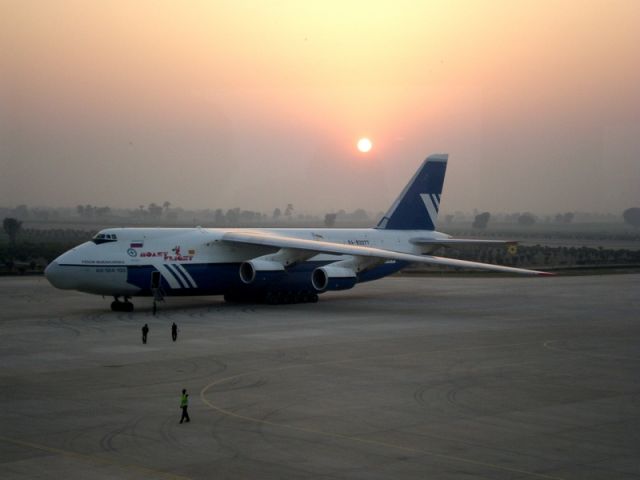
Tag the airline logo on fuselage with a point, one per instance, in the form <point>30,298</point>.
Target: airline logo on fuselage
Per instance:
<point>175,255</point>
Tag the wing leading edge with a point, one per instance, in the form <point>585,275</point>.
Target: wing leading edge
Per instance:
<point>278,241</point>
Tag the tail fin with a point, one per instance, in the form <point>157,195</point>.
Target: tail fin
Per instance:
<point>417,206</point>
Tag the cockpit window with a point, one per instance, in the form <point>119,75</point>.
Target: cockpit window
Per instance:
<point>104,238</point>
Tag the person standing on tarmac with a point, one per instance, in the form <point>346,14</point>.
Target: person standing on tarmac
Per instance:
<point>174,331</point>
<point>184,404</point>
<point>145,331</point>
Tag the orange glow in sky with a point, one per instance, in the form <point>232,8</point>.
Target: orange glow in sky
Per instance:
<point>92,89</point>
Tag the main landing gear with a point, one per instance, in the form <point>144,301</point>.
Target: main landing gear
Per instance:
<point>118,306</point>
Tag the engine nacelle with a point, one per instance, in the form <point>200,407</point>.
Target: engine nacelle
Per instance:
<point>331,277</point>
<point>258,271</point>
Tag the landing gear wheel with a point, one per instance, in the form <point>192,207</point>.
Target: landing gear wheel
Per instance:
<point>118,306</point>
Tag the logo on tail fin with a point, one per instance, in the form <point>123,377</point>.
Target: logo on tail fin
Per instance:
<point>417,206</point>
<point>432,202</point>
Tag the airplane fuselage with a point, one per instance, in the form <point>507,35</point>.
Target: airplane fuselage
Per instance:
<point>197,261</point>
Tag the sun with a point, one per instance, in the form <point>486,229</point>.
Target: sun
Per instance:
<point>364,145</point>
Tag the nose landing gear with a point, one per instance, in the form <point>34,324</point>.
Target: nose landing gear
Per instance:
<point>118,306</point>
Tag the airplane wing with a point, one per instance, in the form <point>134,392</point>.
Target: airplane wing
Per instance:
<point>462,242</point>
<point>279,241</point>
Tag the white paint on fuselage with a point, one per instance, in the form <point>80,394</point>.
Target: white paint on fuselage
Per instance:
<point>102,268</point>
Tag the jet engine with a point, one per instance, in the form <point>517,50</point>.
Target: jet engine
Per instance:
<point>258,270</point>
<point>342,275</point>
<point>272,267</point>
<point>331,277</point>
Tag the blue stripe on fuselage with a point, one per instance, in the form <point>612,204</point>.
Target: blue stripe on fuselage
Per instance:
<point>220,278</point>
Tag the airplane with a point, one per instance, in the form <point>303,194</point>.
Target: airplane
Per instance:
<point>267,265</point>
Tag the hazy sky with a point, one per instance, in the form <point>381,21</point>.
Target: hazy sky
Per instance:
<point>257,104</point>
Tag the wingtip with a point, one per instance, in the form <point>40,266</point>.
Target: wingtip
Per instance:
<point>546,274</point>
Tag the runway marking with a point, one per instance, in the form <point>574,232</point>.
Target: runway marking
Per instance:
<point>94,459</point>
<point>362,440</point>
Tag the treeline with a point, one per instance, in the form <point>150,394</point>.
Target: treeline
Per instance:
<point>33,249</point>
<point>541,235</point>
<point>61,235</point>
<point>165,213</point>
<point>480,220</point>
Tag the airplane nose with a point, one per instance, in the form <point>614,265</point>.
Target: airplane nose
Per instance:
<point>56,276</point>
<point>51,272</point>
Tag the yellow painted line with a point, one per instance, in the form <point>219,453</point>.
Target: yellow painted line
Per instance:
<point>93,459</point>
<point>352,438</point>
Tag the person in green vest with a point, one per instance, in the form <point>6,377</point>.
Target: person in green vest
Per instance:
<point>184,404</point>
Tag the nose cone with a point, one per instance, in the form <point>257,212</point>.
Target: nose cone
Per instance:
<point>57,276</point>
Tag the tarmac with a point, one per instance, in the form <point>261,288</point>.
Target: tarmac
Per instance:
<point>441,377</point>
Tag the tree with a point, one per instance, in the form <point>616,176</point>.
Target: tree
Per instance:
<point>155,211</point>
<point>89,210</point>
<point>632,216</point>
<point>102,211</point>
<point>11,227</point>
<point>527,219</point>
<point>481,220</point>
<point>565,217</point>
<point>248,216</point>
<point>232,216</point>
<point>21,211</point>
<point>360,214</point>
<point>276,214</point>
<point>330,219</point>
<point>218,216</point>
<point>41,214</point>
<point>166,206</point>
<point>289,210</point>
